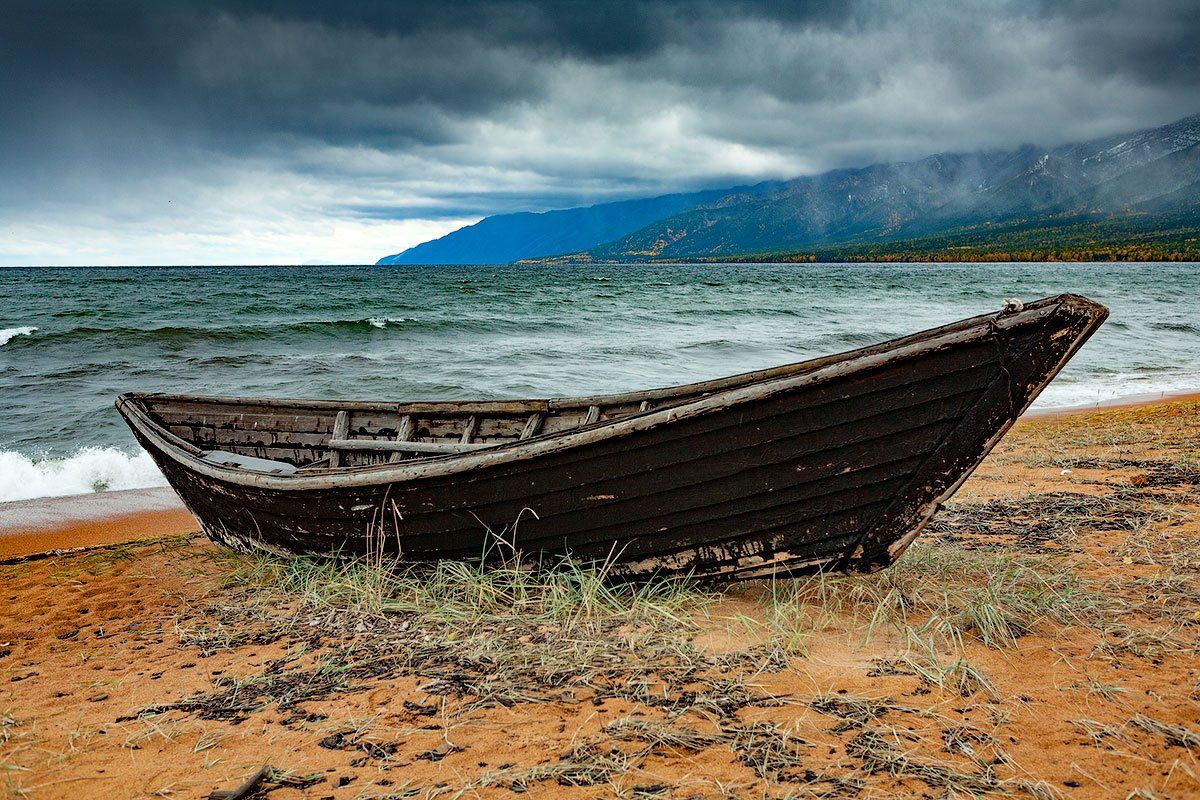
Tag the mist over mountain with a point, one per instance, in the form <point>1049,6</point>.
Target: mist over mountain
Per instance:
<point>1143,185</point>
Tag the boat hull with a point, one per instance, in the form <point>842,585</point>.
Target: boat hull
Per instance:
<point>835,468</point>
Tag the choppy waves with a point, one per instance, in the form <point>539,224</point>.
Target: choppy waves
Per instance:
<point>8,334</point>
<point>72,339</point>
<point>90,469</point>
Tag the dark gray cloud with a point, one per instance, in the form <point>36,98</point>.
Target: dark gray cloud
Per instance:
<point>238,130</point>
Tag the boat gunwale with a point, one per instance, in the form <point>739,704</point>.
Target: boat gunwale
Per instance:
<point>744,388</point>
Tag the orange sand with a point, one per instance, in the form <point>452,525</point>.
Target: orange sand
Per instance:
<point>88,640</point>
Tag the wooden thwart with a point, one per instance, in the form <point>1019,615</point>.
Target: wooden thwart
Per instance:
<point>387,446</point>
<point>405,434</point>
<point>341,429</point>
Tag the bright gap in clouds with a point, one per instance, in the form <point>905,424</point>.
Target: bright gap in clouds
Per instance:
<point>297,241</point>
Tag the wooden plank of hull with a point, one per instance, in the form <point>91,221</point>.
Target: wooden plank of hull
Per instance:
<point>966,446</point>
<point>704,444</point>
<point>698,525</point>
<point>841,471</point>
<point>717,476</point>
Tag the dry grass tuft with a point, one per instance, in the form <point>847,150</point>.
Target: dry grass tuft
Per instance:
<point>946,593</point>
<point>662,735</point>
<point>1176,735</point>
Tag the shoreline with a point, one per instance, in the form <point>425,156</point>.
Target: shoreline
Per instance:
<point>47,524</point>
<point>1123,401</point>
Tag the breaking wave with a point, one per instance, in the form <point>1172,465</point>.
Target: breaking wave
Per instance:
<point>383,322</point>
<point>8,334</point>
<point>90,469</point>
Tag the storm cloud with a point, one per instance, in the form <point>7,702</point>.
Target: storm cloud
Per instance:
<point>287,132</point>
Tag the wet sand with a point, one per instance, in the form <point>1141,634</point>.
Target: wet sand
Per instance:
<point>32,527</point>
<point>145,671</point>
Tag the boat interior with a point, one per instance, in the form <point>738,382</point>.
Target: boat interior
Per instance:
<point>269,436</point>
<point>290,436</point>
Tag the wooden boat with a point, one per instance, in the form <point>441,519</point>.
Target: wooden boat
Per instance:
<point>830,464</point>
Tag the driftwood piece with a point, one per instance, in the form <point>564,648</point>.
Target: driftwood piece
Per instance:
<point>245,790</point>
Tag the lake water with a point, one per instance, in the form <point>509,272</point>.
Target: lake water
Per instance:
<point>72,339</point>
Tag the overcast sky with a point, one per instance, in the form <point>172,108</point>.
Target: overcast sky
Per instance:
<point>295,132</point>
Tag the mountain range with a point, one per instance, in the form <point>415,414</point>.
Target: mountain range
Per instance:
<point>1132,196</point>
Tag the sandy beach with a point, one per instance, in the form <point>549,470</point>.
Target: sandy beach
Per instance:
<point>1040,640</point>
<point>35,527</point>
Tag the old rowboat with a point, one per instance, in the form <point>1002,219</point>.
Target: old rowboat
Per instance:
<point>831,464</point>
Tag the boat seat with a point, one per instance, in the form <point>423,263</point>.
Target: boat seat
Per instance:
<point>248,462</point>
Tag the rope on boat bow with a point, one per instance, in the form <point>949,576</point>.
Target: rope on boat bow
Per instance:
<point>1011,306</point>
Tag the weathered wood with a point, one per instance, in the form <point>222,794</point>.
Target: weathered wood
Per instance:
<point>493,429</point>
<point>247,789</point>
<point>388,446</point>
<point>532,425</point>
<point>260,405</point>
<point>486,407</point>
<point>404,434</point>
<point>341,428</point>
<point>319,463</point>
<point>827,464</point>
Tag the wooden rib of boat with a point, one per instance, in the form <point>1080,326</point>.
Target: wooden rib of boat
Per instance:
<point>830,464</point>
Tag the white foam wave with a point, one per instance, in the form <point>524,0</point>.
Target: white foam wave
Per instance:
<point>1113,389</point>
<point>91,469</point>
<point>8,334</point>
<point>383,322</point>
